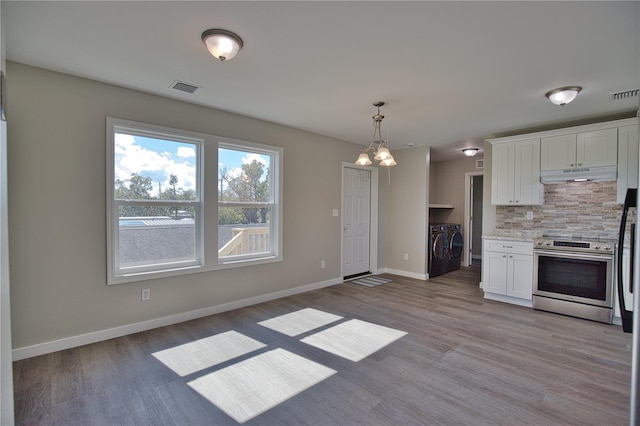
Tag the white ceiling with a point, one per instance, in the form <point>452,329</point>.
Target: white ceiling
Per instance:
<point>451,73</point>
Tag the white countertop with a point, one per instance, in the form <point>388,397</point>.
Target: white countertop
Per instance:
<point>513,235</point>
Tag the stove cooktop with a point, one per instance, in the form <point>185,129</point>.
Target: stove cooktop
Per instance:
<point>575,244</point>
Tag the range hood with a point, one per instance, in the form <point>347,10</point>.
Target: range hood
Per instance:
<point>579,174</point>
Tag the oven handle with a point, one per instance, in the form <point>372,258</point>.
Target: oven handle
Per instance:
<point>579,256</point>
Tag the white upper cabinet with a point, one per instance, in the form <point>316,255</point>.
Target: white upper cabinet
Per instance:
<point>586,149</point>
<point>597,148</point>
<point>515,173</point>
<point>517,161</point>
<point>627,160</point>
<point>558,152</point>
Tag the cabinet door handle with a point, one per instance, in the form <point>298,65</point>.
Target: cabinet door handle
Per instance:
<point>507,246</point>
<point>504,255</point>
<point>571,164</point>
<point>510,257</point>
<point>579,164</point>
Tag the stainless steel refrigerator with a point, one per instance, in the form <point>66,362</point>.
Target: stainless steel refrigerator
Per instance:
<point>631,322</point>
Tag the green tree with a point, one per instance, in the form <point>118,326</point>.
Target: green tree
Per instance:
<point>173,181</point>
<point>251,186</point>
<point>137,187</point>
<point>134,188</point>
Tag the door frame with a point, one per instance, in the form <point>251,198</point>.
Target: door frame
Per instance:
<point>373,212</point>
<point>468,177</point>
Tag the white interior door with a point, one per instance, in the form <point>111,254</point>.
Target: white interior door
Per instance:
<point>356,208</point>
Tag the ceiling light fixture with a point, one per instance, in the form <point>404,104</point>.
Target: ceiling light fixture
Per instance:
<point>378,146</point>
<point>563,95</point>
<point>470,152</point>
<point>222,44</point>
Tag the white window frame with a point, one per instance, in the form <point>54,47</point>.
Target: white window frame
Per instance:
<point>206,258</point>
<point>274,203</point>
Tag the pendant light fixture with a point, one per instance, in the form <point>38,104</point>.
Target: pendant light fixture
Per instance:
<point>222,44</point>
<point>563,95</point>
<point>379,147</point>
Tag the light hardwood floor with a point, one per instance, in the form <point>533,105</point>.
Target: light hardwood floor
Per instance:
<point>465,360</point>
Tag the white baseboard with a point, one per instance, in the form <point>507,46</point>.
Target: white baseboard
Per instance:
<point>508,299</point>
<point>98,336</point>
<point>407,274</point>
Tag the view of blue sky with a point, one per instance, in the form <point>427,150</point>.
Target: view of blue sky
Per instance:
<point>158,159</point>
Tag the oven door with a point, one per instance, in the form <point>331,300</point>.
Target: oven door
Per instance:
<point>577,277</point>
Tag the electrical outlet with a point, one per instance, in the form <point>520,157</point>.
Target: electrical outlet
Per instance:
<point>146,294</point>
<point>322,264</point>
<point>406,256</point>
<point>529,215</point>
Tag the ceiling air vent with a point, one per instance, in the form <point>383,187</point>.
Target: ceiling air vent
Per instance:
<point>184,87</point>
<point>625,94</point>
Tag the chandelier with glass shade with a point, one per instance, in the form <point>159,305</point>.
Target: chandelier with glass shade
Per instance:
<point>378,147</point>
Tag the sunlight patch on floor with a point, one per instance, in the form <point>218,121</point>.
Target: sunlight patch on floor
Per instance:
<point>251,386</point>
<point>354,339</point>
<point>300,322</point>
<point>204,353</point>
<point>248,388</point>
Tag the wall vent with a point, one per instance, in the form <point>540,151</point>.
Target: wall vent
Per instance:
<point>480,164</point>
<point>184,87</point>
<point>625,94</point>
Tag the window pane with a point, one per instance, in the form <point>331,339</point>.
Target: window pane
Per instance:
<point>243,231</point>
<point>243,176</point>
<point>154,169</point>
<point>155,235</point>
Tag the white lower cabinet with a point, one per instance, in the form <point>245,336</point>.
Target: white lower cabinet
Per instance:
<point>507,270</point>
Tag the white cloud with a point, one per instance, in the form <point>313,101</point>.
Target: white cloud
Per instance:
<point>248,159</point>
<point>186,152</point>
<point>132,158</point>
<point>235,172</point>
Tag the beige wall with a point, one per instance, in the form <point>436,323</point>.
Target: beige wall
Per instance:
<point>447,187</point>
<point>6,365</point>
<point>57,208</point>
<point>403,211</point>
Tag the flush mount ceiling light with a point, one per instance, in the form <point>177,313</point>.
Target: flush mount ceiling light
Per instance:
<point>378,146</point>
<point>563,95</point>
<point>222,44</point>
<point>470,152</point>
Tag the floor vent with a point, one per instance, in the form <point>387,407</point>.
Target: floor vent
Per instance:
<point>625,94</point>
<point>184,87</point>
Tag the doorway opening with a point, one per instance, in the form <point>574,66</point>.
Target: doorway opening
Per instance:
<point>473,218</point>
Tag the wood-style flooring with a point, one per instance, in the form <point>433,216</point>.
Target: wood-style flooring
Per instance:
<point>465,360</point>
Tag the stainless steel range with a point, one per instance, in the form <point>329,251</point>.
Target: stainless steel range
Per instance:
<point>574,276</point>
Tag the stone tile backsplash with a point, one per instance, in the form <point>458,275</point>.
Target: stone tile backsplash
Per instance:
<point>576,208</point>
